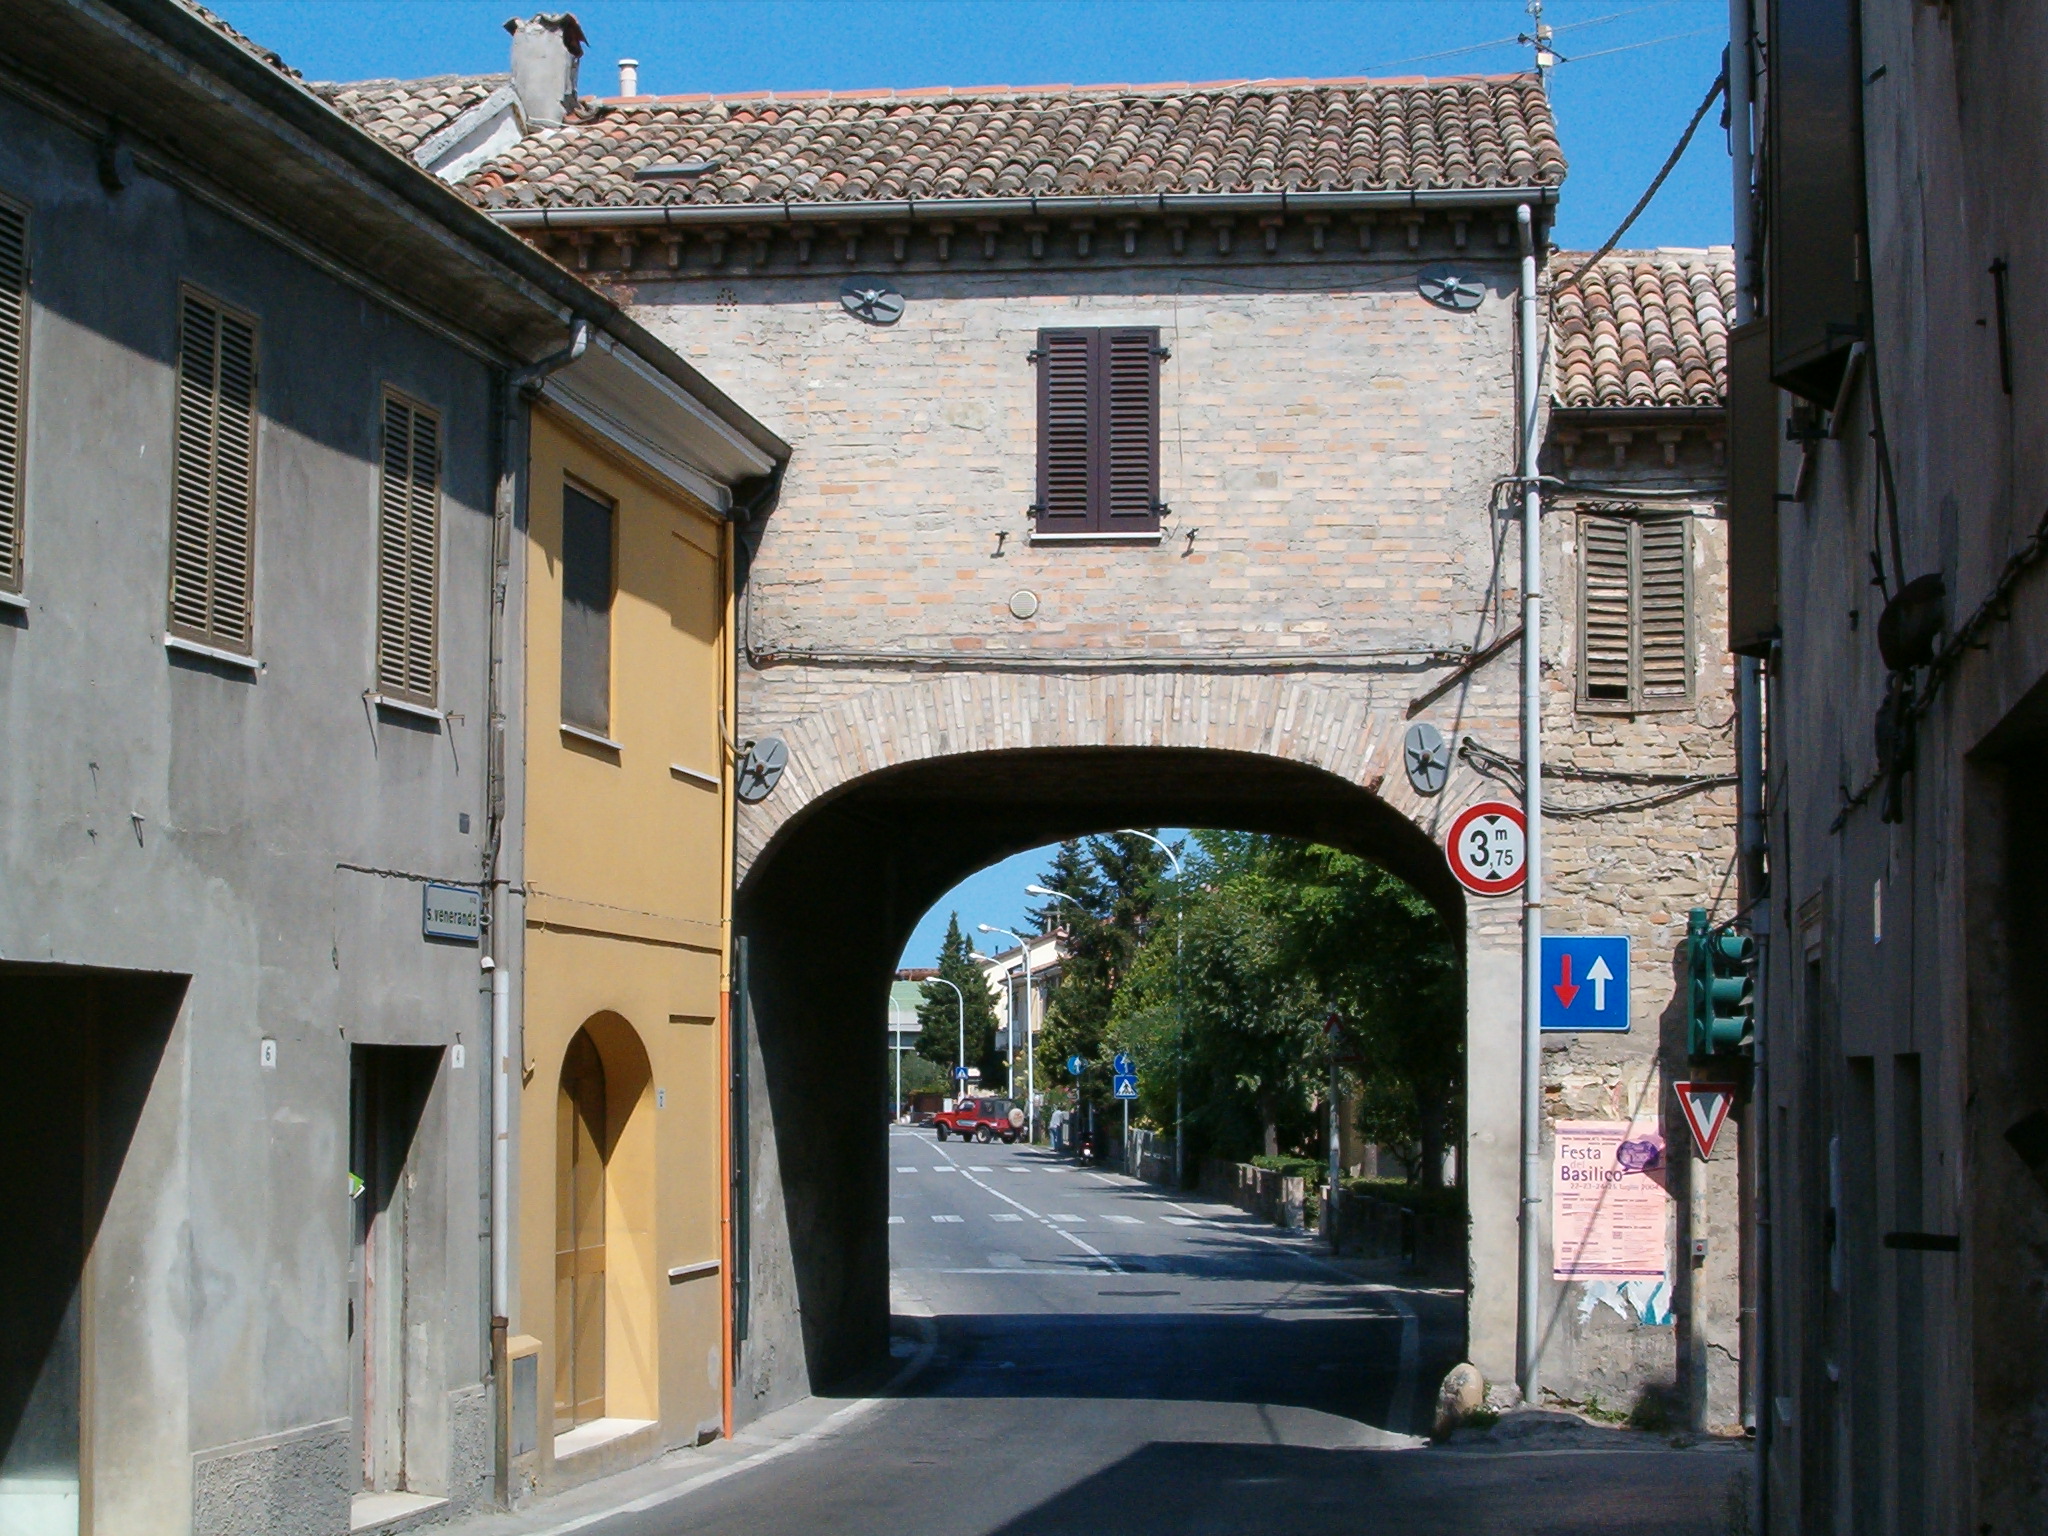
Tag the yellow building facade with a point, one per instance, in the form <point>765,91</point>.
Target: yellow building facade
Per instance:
<point>620,1111</point>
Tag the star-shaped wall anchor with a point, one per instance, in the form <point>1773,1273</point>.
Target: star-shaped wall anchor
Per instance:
<point>866,299</point>
<point>1449,288</point>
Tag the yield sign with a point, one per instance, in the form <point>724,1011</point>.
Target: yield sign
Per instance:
<point>1706,1108</point>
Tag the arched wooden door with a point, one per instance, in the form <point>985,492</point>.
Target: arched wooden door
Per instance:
<point>580,1148</point>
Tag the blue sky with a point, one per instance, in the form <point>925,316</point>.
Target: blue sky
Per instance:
<point>1634,70</point>
<point>995,896</point>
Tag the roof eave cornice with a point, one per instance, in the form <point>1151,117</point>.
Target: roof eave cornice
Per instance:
<point>637,216</point>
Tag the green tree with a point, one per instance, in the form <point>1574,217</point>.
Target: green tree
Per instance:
<point>1277,935</point>
<point>1114,881</point>
<point>938,1014</point>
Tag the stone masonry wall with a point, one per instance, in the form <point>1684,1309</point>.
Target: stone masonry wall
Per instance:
<point>1330,448</point>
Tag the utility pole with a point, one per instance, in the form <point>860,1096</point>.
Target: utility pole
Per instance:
<point>1180,1022</point>
<point>959,1077</point>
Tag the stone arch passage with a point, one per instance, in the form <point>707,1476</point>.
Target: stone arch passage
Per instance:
<point>832,892</point>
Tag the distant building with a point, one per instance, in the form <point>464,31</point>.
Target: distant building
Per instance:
<point>1005,974</point>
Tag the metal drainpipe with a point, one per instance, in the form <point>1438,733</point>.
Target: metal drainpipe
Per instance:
<point>504,508</point>
<point>1526,1365</point>
<point>1752,830</point>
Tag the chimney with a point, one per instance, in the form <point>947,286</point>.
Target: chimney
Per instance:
<point>545,50</point>
<point>629,77</point>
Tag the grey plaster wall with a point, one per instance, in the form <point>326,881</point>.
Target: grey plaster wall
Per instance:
<point>263,833</point>
<point>1910,1388</point>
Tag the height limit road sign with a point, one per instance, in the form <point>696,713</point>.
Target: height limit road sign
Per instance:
<point>1487,847</point>
<point>1585,982</point>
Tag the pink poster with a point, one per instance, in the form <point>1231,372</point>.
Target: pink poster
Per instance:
<point>1608,1203</point>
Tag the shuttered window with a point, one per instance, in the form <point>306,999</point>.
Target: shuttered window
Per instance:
<point>213,524</point>
<point>587,547</point>
<point>1635,613</point>
<point>13,387</point>
<point>408,551</point>
<point>1098,432</point>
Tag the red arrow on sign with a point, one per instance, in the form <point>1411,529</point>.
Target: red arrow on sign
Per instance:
<point>1564,989</point>
<point>1706,1107</point>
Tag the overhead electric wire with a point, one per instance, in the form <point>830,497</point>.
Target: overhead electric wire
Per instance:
<point>1670,164</point>
<point>1519,38</point>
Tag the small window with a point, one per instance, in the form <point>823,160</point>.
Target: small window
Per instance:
<point>1098,432</point>
<point>408,552</point>
<point>214,515</point>
<point>586,611</point>
<point>1635,613</point>
<point>13,387</point>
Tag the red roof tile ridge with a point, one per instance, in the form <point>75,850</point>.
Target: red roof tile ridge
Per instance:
<point>412,83</point>
<point>1155,88</point>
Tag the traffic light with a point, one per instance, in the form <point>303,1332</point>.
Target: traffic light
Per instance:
<point>1722,1001</point>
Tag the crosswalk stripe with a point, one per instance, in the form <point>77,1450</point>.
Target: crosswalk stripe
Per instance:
<point>949,1218</point>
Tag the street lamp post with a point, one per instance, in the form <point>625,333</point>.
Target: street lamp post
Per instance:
<point>961,1075</point>
<point>1030,1057</point>
<point>1180,1022</point>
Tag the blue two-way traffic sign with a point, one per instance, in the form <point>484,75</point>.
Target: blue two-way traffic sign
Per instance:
<point>1585,982</point>
<point>1125,1085</point>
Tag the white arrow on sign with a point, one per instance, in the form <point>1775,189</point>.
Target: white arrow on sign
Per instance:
<point>1599,975</point>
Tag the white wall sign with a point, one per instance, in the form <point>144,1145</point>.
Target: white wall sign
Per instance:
<point>451,912</point>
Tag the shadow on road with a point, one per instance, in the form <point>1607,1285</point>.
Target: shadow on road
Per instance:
<point>1195,1489</point>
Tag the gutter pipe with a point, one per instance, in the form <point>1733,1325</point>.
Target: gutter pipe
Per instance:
<point>785,212</point>
<point>1752,830</point>
<point>1529,1341</point>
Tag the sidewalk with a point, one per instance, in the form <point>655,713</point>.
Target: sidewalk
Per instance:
<point>682,1472</point>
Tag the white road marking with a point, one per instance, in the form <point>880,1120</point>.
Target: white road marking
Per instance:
<point>1087,1248</point>
<point>978,1168</point>
<point>945,1170</point>
<point>949,1218</point>
<point>895,1221</point>
<point>1184,1221</point>
<point>1129,1221</point>
<point>1006,1216</point>
<point>1062,1216</point>
<point>906,1167</point>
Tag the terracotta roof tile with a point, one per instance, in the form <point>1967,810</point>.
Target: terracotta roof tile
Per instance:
<point>1233,136</point>
<point>1643,328</point>
<point>404,114</point>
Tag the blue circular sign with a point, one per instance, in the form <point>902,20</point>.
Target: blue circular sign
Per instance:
<point>1074,1065</point>
<point>1122,1065</point>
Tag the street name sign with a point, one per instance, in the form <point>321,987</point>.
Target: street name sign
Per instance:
<point>1585,982</point>
<point>1487,848</point>
<point>451,912</point>
<point>1706,1107</point>
<point>1125,1085</point>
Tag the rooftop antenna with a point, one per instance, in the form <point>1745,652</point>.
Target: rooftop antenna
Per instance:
<point>1538,37</point>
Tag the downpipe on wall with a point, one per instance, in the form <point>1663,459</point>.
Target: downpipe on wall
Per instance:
<point>1528,1333</point>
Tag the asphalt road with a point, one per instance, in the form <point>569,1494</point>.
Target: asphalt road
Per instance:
<point>1092,1355</point>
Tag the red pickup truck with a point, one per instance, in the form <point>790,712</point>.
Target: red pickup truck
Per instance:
<point>981,1120</point>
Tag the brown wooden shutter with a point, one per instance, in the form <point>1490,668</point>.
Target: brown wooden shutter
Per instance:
<point>1604,618</point>
<point>13,387</point>
<point>1066,414</point>
<point>213,520</point>
<point>408,552</point>
<point>1663,611</point>
<point>1129,436</point>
